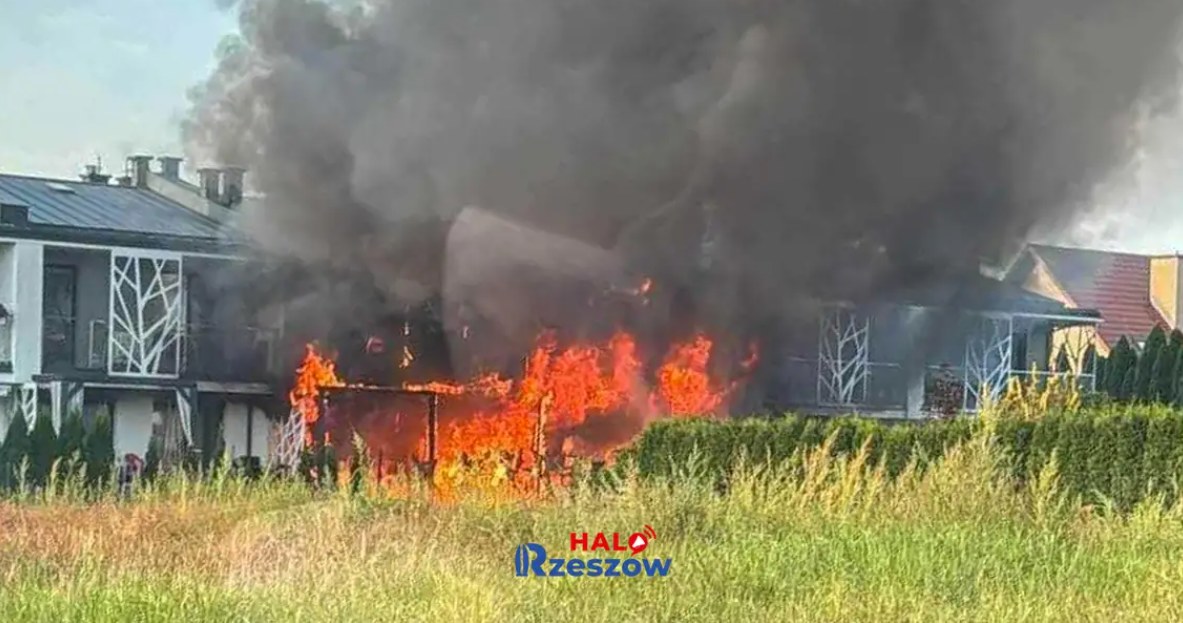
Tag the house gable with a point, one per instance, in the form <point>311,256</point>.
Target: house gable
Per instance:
<point>1117,285</point>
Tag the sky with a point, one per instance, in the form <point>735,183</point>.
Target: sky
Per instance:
<point>83,79</point>
<point>86,78</point>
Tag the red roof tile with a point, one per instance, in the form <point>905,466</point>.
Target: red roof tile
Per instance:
<point>1115,284</point>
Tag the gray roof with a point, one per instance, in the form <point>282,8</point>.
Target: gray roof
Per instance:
<point>64,203</point>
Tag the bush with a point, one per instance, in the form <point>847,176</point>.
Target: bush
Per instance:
<point>99,451</point>
<point>43,450</point>
<point>14,453</point>
<point>1110,454</point>
<point>70,441</point>
<point>720,446</point>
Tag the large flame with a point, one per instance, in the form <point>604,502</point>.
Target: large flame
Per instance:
<point>563,393</point>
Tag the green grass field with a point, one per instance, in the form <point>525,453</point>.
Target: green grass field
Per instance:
<point>839,543</point>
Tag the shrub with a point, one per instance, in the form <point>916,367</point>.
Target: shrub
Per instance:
<point>152,459</point>
<point>43,450</point>
<point>1105,455</point>
<point>99,451</point>
<point>14,453</point>
<point>70,441</point>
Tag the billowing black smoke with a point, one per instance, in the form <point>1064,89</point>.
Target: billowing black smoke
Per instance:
<point>836,147</point>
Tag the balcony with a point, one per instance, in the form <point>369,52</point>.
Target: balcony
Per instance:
<point>241,354</point>
<point>67,347</point>
<point>208,353</point>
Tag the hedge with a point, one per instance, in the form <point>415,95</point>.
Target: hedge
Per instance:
<point>1105,454</point>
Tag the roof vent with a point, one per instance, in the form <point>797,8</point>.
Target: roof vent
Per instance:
<point>61,188</point>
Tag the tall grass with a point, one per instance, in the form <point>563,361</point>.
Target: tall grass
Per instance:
<point>816,539</point>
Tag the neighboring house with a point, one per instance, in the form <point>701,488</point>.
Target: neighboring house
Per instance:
<point>900,357</point>
<point>111,297</point>
<point>1133,293</point>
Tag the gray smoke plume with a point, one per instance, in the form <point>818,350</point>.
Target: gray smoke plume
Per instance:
<point>844,147</point>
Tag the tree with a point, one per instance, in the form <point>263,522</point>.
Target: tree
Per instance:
<point>1144,384</point>
<point>14,452</point>
<point>1177,389</point>
<point>70,441</point>
<point>1121,358</point>
<point>152,459</point>
<point>99,451</point>
<point>1126,393</point>
<point>43,450</point>
<point>1164,368</point>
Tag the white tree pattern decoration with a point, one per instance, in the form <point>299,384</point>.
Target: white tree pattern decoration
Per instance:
<point>286,451</point>
<point>75,397</point>
<point>987,359</point>
<point>57,403</point>
<point>28,403</point>
<point>147,316</point>
<point>842,358</point>
<point>185,399</point>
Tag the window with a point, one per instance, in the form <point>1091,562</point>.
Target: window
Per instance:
<point>58,310</point>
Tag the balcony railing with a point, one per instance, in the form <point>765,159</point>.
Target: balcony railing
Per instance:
<point>61,349</point>
<point>885,387</point>
<point>209,353</point>
<point>241,354</point>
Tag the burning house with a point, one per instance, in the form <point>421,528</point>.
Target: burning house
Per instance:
<point>847,163</point>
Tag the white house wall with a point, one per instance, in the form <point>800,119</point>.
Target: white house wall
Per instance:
<point>234,431</point>
<point>27,277</point>
<point>8,299</point>
<point>133,425</point>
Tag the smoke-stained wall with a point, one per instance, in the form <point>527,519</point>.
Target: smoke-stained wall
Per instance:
<point>847,147</point>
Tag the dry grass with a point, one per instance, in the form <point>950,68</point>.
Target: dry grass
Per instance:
<point>840,543</point>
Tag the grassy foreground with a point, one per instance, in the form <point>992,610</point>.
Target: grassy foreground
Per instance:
<point>837,543</point>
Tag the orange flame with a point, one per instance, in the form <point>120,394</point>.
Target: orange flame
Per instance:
<point>559,391</point>
<point>314,373</point>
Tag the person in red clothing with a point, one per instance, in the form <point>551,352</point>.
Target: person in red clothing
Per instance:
<point>129,471</point>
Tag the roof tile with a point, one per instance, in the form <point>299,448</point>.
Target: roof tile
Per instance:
<point>1115,284</point>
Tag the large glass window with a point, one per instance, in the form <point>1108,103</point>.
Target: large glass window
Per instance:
<point>58,316</point>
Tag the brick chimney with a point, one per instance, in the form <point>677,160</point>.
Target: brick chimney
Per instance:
<point>210,183</point>
<point>170,167</point>
<point>137,168</point>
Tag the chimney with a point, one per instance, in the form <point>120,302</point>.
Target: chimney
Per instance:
<point>232,186</point>
<point>209,183</point>
<point>170,167</point>
<point>137,168</point>
<point>124,180</point>
<point>94,175</point>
